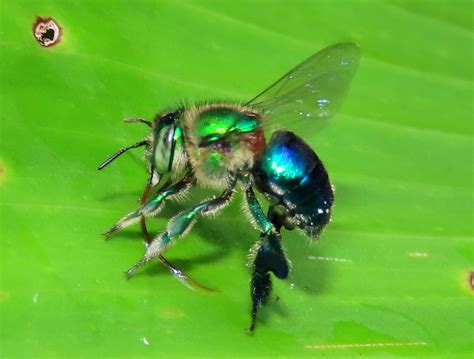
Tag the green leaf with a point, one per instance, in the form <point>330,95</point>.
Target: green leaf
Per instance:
<point>390,275</point>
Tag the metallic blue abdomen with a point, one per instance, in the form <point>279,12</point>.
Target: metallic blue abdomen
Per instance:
<point>292,175</point>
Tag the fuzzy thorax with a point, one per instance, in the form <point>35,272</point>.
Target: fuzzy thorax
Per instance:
<point>221,140</point>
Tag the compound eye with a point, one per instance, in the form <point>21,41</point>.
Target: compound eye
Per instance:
<point>163,149</point>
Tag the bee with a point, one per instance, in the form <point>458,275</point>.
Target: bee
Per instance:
<point>258,145</point>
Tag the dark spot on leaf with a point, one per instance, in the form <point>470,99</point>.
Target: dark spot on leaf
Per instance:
<point>46,31</point>
<point>471,280</point>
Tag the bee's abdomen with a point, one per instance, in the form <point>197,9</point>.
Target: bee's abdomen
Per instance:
<point>291,174</point>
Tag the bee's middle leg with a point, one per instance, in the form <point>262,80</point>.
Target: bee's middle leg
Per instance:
<point>180,224</point>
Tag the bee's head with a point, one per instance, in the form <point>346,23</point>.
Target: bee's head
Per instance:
<point>167,154</point>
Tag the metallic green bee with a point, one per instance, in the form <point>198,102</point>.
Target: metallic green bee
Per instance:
<point>216,145</point>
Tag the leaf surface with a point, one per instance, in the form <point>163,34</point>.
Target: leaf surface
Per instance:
<point>390,275</point>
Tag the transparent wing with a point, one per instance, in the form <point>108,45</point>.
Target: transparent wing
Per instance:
<point>311,92</point>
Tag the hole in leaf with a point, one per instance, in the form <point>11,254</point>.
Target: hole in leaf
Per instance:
<point>46,31</point>
<point>48,35</point>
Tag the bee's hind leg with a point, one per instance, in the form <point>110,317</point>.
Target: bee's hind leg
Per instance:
<point>267,255</point>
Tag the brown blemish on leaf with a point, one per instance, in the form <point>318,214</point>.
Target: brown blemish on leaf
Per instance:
<point>4,296</point>
<point>171,314</point>
<point>471,280</point>
<point>46,31</point>
<point>3,171</point>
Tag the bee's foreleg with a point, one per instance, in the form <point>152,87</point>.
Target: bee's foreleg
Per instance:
<point>180,224</point>
<point>153,206</point>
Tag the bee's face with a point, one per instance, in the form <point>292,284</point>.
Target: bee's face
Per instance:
<point>167,154</point>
